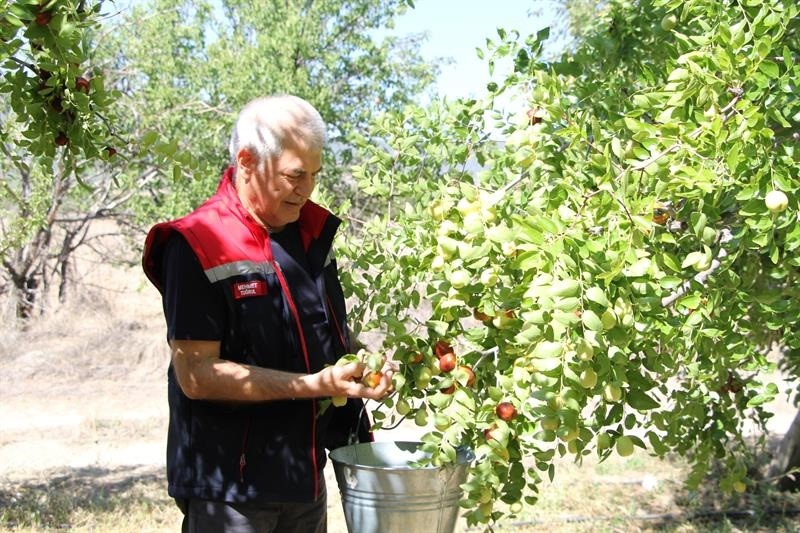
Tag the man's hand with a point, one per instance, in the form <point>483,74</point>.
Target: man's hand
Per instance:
<point>355,380</point>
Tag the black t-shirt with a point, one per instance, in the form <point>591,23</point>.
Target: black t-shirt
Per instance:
<point>193,308</point>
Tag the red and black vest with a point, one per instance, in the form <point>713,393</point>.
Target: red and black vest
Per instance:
<point>270,451</point>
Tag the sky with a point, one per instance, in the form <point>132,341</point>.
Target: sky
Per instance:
<point>456,28</point>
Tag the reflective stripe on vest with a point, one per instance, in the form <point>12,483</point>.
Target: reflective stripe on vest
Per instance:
<point>238,268</point>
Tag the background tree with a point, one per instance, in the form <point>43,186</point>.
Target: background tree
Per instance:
<point>126,116</point>
<point>187,68</point>
<point>616,272</point>
<point>571,20</point>
<point>52,126</point>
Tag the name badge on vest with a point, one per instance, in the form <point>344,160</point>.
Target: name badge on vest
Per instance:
<point>246,289</point>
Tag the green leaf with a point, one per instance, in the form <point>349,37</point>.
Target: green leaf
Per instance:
<point>641,101</point>
<point>698,221</point>
<point>545,224</point>
<point>567,304</point>
<point>638,269</point>
<point>691,259</point>
<point>770,69</point>
<point>763,47</point>
<point>597,295</point>
<point>671,262</point>
<point>591,320</point>
<point>670,282</point>
<point>678,74</point>
<point>547,349</point>
<point>760,399</point>
<point>656,443</point>
<point>149,138</point>
<point>438,327</point>
<point>640,400</point>
<point>565,287</point>
<point>546,365</point>
<point>690,301</point>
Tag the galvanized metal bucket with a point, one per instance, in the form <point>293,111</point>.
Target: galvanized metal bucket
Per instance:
<point>383,491</point>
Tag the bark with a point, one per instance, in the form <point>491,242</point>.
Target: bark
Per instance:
<point>786,463</point>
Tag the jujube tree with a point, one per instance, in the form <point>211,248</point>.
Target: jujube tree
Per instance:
<point>615,271</point>
<point>55,137</point>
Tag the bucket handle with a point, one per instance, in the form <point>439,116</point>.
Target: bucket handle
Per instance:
<point>353,437</point>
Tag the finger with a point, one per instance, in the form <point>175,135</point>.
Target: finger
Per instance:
<point>362,391</point>
<point>385,386</point>
<point>353,370</point>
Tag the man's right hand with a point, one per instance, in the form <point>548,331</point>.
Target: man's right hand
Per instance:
<point>347,380</point>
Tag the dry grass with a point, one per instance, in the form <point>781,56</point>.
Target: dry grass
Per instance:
<point>638,494</point>
<point>643,493</point>
<point>91,499</point>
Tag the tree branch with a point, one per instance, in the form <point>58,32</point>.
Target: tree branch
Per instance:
<point>701,277</point>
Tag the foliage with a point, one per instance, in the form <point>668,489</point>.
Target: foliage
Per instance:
<point>54,134</point>
<point>612,269</point>
<point>187,68</point>
<point>52,94</point>
<point>108,120</point>
<point>53,105</point>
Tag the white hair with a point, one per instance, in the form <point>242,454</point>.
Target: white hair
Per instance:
<point>265,123</point>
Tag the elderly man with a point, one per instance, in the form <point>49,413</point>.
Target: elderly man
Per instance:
<point>255,320</point>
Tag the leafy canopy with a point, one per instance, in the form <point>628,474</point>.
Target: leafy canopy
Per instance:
<point>612,269</point>
<point>187,68</point>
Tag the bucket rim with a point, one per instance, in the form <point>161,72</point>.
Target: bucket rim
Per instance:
<point>467,454</point>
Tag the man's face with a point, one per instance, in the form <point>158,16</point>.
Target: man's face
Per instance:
<point>282,185</point>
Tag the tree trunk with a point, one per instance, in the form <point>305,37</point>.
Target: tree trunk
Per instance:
<point>27,297</point>
<point>787,458</point>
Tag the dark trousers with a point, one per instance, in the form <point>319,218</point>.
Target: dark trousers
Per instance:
<point>202,516</point>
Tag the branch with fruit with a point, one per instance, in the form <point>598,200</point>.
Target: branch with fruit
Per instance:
<point>702,276</point>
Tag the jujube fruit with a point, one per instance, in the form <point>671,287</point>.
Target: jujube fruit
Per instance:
<point>624,446</point>
<point>372,379</point>
<point>506,411</point>
<point>447,362</point>
<point>442,347</point>
<point>82,85</point>
<point>776,201</point>
<point>43,18</point>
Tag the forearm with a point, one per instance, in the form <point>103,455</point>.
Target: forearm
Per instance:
<point>203,375</point>
<point>223,380</point>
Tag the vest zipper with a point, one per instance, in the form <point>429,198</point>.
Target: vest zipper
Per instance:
<point>335,321</point>
<point>242,458</point>
<point>296,316</point>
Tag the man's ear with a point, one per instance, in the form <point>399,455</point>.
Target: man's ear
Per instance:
<point>246,163</point>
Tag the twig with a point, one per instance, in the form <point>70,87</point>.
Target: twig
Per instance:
<point>25,64</point>
<point>701,277</point>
